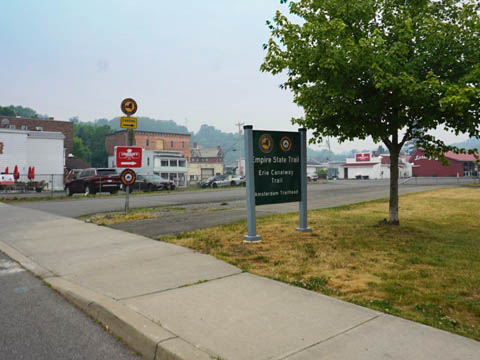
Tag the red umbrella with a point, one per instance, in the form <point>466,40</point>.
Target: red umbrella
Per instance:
<point>29,174</point>
<point>6,170</point>
<point>33,172</point>
<point>16,174</point>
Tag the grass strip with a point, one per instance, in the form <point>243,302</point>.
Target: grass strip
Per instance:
<point>426,270</point>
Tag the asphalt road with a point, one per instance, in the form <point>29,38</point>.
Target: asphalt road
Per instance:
<point>319,196</point>
<point>37,323</point>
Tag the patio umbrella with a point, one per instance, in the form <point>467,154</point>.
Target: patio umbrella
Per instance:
<point>33,172</point>
<point>16,174</point>
<point>6,170</point>
<point>29,174</point>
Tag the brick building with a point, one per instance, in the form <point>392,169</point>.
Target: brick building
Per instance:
<point>50,125</point>
<point>459,165</point>
<point>150,140</point>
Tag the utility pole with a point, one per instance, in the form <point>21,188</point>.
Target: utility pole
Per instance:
<point>129,107</point>
<point>239,124</point>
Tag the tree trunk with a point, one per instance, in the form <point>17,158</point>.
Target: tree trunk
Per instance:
<point>393,206</point>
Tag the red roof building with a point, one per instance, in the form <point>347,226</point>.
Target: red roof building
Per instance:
<point>458,165</point>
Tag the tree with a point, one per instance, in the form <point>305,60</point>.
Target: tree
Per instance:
<point>93,139</point>
<point>79,149</point>
<point>7,111</point>
<point>388,69</point>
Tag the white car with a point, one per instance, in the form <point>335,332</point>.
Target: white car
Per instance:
<point>238,180</point>
<point>219,181</point>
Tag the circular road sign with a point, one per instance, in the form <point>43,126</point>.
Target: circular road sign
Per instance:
<point>129,106</point>
<point>128,177</point>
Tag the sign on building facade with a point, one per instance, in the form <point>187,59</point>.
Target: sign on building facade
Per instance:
<point>362,157</point>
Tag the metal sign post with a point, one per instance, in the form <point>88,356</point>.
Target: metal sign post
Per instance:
<point>128,178</point>
<point>251,214</point>
<point>129,107</point>
<point>127,199</point>
<point>303,183</point>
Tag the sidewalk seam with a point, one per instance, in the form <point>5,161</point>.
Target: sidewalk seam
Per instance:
<point>178,287</point>
<point>330,337</point>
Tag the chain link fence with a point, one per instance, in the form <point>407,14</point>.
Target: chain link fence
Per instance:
<point>40,183</point>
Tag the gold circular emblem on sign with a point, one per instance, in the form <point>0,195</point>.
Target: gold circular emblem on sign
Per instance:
<point>129,106</point>
<point>285,144</point>
<point>265,143</point>
<point>128,177</point>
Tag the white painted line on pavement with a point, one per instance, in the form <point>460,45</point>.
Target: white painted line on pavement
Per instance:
<point>9,267</point>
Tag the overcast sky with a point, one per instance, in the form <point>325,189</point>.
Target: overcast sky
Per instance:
<point>195,62</point>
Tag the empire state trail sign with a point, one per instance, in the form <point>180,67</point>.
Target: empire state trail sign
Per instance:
<point>276,166</point>
<point>276,171</point>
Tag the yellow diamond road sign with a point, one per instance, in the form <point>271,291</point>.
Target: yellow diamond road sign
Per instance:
<point>128,122</point>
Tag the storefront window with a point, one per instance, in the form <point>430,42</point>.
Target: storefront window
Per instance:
<point>173,163</point>
<point>164,162</point>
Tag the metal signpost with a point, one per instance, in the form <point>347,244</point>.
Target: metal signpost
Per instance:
<point>276,171</point>
<point>128,178</point>
<point>129,107</point>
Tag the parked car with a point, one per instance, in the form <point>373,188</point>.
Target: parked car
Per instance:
<point>312,177</point>
<point>91,181</point>
<point>73,174</point>
<point>238,181</point>
<point>214,181</point>
<point>153,183</point>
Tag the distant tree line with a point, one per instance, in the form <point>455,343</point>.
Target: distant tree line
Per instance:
<point>25,112</point>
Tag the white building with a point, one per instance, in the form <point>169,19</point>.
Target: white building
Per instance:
<point>313,165</point>
<point>170,165</point>
<point>41,149</point>
<point>368,166</point>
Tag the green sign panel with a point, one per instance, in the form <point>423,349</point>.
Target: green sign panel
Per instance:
<point>276,164</point>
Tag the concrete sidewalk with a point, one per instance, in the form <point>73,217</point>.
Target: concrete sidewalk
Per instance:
<point>170,302</point>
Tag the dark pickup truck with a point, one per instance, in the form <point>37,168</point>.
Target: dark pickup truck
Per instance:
<point>91,181</point>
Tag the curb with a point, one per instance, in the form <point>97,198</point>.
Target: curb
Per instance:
<point>143,335</point>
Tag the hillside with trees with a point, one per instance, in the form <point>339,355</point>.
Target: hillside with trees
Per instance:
<point>472,143</point>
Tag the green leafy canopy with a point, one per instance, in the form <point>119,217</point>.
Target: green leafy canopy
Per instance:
<point>374,68</point>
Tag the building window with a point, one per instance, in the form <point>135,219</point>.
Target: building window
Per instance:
<point>171,144</point>
<point>164,162</point>
<point>183,144</point>
<point>181,163</point>
<point>192,177</point>
<point>148,142</point>
<point>164,175</point>
<point>148,161</point>
<point>173,163</point>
